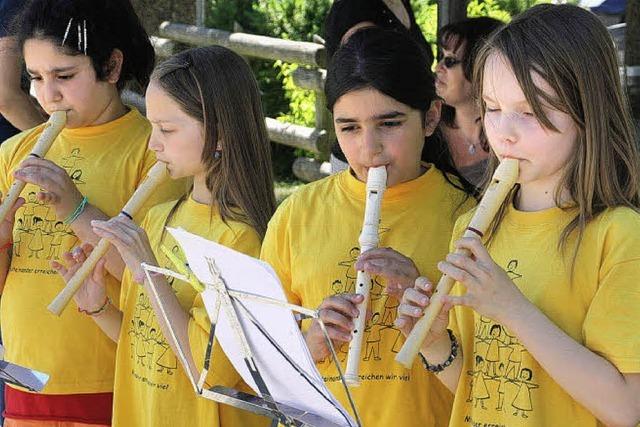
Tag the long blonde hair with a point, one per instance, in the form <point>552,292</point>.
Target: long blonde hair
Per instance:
<point>604,170</point>
<point>216,87</point>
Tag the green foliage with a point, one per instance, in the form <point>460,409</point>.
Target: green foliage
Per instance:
<point>286,19</point>
<point>491,8</point>
<point>426,13</point>
<point>293,19</point>
<point>301,102</point>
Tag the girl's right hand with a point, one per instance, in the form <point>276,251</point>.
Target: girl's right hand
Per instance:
<point>337,312</point>
<point>414,301</point>
<point>6,226</point>
<point>93,293</point>
<point>131,241</point>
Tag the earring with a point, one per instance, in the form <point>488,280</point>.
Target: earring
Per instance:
<point>217,154</point>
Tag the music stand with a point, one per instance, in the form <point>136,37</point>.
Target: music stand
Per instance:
<point>246,317</point>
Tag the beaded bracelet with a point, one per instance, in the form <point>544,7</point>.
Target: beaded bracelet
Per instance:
<point>75,214</point>
<point>102,308</point>
<point>440,367</point>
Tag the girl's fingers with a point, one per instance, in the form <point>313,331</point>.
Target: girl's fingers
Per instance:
<point>388,263</point>
<point>106,232</point>
<point>401,321</point>
<point>476,248</point>
<point>342,304</point>
<point>40,176</point>
<point>78,255</point>
<point>119,230</point>
<point>330,317</point>
<point>59,268</point>
<point>337,334</point>
<point>32,161</point>
<point>457,274</point>
<point>48,198</point>
<point>415,297</point>
<point>125,222</point>
<point>68,258</point>
<point>410,310</point>
<point>87,248</point>
<point>466,263</point>
<point>463,300</point>
<point>422,283</point>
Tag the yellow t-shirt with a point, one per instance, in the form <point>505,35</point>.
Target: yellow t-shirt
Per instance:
<point>501,384</point>
<point>312,243</point>
<point>106,162</point>
<point>151,388</point>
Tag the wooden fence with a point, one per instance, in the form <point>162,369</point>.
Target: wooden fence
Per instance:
<point>311,77</point>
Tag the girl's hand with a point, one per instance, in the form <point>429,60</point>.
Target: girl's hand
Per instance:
<point>490,292</point>
<point>6,226</point>
<point>60,191</point>
<point>93,292</point>
<point>337,312</point>
<point>414,301</point>
<point>130,240</point>
<point>399,271</point>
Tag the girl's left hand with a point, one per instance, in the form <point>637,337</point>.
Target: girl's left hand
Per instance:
<point>60,191</point>
<point>92,293</point>
<point>490,292</point>
<point>399,271</point>
<point>130,240</point>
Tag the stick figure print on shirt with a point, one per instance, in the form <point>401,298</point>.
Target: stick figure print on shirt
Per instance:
<point>522,402</point>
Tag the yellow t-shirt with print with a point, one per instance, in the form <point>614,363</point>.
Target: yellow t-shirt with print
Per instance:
<point>501,384</point>
<point>151,388</point>
<point>312,243</point>
<point>106,162</point>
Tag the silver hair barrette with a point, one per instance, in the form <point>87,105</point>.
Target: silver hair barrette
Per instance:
<point>66,33</point>
<point>84,28</point>
<point>79,37</point>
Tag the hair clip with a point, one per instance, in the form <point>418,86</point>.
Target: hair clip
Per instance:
<point>84,39</point>
<point>79,37</point>
<point>66,32</point>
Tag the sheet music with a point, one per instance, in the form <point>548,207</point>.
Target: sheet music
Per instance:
<point>18,375</point>
<point>247,274</point>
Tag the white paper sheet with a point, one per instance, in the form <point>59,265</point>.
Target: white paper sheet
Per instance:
<point>247,274</point>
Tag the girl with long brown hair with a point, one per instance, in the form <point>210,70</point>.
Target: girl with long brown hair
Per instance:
<point>546,309</point>
<point>204,106</point>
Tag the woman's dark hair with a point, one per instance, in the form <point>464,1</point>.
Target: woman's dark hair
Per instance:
<point>344,14</point>
<point>392,63</point>
<point>94,28</point>
<point>468,34</point>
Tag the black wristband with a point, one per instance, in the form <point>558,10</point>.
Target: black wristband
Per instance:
<point>441,367</point>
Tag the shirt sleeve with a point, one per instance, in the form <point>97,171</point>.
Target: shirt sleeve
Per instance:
<point>6,161</point>
<point>611,325</point>
<point>276,248</point>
